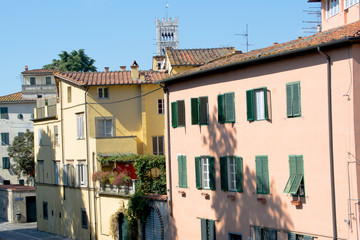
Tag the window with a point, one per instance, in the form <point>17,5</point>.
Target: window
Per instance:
<point>56,135</point>
<point>205,172</point>
<point>32,81</point>
<point>56,173</point>
<point>6,163</point>
<point>295,183</point>
<point>261,233</point>
<point>40,133</point>
<point>21,134</point>
<point>332,7</point>
<point>207,229</point>
<point>80,126</point>
<point>262,175</point>
<point>48,80</point>
<point>349,3</point>
<point>68,175</point>
<point>21,182</point>
<point>294,236</point>
<point>4,113</point>
<point>293,101</point>
<point>84,219</point>
<point>69,94</point>
<point>178,113</point>
<point>235,236</point>
<point>103,92</point>
<point>81,178</point>
<point>6,182</point>
<point>160,106</point>
<point>40,171</point>
<point>20,116</point>
<point>45,210</point>
<point>257,104</point>
<point>226,108</point>
<point>4,139</point>
<point>182,171</point>
<point>231,173</point>
<point>158,145</point>
<point>199,111</point>
<point>105,128</point>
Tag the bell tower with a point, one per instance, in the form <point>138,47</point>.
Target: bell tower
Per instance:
<point>166,35</point>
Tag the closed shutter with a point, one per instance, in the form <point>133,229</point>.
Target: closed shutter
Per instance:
<point>184,171</point>
<point>198,172</point>
<point>259,186</point>
<point>296,99</point>
<point>265,175</point>
<point>153,226</point>
<point>65,174</point>
<point>221,111</point>
<point>223,173</point>
<point>4,113</point>
<point>204,232</point>
<point>181,113</point>
<point>180,169</point>
<point>257,233</point>
<point>239,174</point>
<point>211,225</point>
<point>203,111</point>
<point>194,111</point>
<point>229,107</point>
<point>292,167</point>
<point>250,105</point>
<point>291,236</point>
<point>212,172</point>
<point>155,145</point>
<point>272,235</point>
<point>174,116</point>
<point>77,175</point>
<point>308,237</point>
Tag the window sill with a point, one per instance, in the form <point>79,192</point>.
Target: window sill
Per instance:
<point>80,139</point>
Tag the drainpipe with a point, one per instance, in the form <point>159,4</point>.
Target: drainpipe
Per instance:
<point>331,148</point>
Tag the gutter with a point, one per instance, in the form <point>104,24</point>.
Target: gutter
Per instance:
<point>331,147</point>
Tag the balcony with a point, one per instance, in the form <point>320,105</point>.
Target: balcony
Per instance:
<point>41,88</point>
<point>114,145</point>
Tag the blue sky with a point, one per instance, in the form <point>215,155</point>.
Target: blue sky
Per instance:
<point>117,32</point>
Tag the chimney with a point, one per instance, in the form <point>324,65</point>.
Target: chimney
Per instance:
<point>106,69</point>
<point>122,68</point>
<point>134,71</point>
<point>26,68</point>
<point>142,76</point>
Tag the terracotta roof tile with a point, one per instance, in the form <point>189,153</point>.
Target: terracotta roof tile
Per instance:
<point>110,78</point>
<point>38,71</point>
<point>327,37</point>
<point>15,97</point>
<point>196,57</point>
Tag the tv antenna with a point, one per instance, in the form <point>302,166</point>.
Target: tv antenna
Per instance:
<point>317,12</point>
<point>246,35</point>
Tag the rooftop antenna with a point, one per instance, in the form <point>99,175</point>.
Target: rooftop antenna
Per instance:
<point>317,12</point>
<point>166,6</point>
<point>247,37</point>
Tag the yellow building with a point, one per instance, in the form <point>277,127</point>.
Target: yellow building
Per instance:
<point>95,114</point>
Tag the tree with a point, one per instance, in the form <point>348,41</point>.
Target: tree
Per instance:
<point>76,61</point>
<point>22,152</point>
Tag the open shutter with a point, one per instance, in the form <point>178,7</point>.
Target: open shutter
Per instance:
<point>239,172</point>
<point>194,111</point>
<point>211,225</point>
<point>291,236</point>
<point>272,235</point>
<point>299,174</point>
<point>289,103</point>
<point>292,167</point>
<point>77,176</point>
<point>265,175</point>
<point>174,115</point>
<point>212,172</point>
<point>85,175</point>
<point>203,110</point>
<point>259,186</point>
<point>250,105</point>
<point>299,165</point>
<point>181,113</point>
<point>296,99</point>
<point>223,173</point>
<point>229,107</point>
<point>266,106</point>
<point>198,172</point>
<point>221,111</point>
<point>65,174</point>
<point>257,233</point>
<point>204,235</point>
<point>184,171</point>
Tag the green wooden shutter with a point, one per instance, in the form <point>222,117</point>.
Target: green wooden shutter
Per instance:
<point>223,173</point>
<point>259,186</point>
<point>289,103</point>
<point>296,99</point>
<point>299,165</point>
<point>212,172</point>
<point>250,105</point>
<point>292,170</point>
<point>266,107</point>
<point>181,113</point>
<point>174,115</point>
<point>4,113</point>
<point>257,233</point>
<point>229,107</point>
<point>198,172</point>
<point>204,229</point>
<point>295,187</point>
<point>203,110</point>
<point>221,110</point>
<point>180,168</point>
<point>291,236</point>
<point>194,111</point>
<point>299,175</point>
<point>4,163</point>
<point>265,175</point>
<point>308,237</point>
<point>239,174</point>
<point>211,228</point>
<point>184,171</point>
<point>272,235</point>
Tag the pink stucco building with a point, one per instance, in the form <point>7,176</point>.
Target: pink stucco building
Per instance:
<point>265,144</point>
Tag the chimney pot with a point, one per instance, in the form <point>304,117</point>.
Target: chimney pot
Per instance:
<point>122,68</point>
<point>106,69</point>
<point>134,71</point>
<point>26,68</point>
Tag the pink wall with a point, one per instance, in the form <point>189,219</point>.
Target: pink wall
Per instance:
<point>306,135</point>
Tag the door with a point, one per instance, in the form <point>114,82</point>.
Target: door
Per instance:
<point>31,209</point>
<point>122,227</point>
<point>153,226</point>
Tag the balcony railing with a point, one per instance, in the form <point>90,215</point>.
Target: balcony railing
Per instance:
<point>126,189</point>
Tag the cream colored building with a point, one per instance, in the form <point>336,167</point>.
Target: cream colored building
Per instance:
<point>97,114</point>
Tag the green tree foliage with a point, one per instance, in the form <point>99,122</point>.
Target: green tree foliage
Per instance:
<point>76,61</point>
<point>22,152</point>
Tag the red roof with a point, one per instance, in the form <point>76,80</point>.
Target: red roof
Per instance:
<point>15,97</point>
<point>38,71</point>
<point>17,187</point>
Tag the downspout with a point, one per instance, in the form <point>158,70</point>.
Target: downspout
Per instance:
<point>331,147</point>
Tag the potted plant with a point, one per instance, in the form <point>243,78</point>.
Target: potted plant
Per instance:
<point>122,181</point>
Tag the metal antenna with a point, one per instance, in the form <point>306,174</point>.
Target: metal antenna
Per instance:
<point>247,37</point>
<point>317,13</point>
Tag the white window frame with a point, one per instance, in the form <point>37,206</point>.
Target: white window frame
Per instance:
<point>205,172</point>
<point>102,131</point>
<point>332,7</point>
<point>349,3</point>
<point>81,175</point>
<point>160,104</point>
<point>56,172</point>
<point>156,147</point>
<point>80,125</point>
<point>259,103</point>
<point>231,169</point>
<point>102,93</point>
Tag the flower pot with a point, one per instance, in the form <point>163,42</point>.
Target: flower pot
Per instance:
<point>296,203</point>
